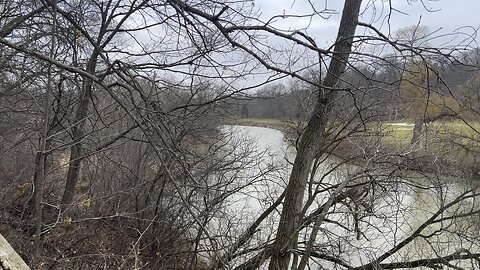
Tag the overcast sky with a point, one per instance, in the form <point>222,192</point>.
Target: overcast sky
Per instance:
<point>454,21</point>
<point>444,16</point>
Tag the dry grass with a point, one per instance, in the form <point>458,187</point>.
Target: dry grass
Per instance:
<point>262,122</point>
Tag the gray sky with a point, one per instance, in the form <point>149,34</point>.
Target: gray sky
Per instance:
<point>441,17</point>
<point>444,16</point>
<point>454,21</point>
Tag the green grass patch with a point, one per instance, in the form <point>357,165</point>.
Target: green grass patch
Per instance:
<point>451,136</point>
<point>452,139</point>
<point>396,134</point>
<point>455,127</point>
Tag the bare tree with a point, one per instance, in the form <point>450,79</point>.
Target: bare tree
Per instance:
<point>133,105</point>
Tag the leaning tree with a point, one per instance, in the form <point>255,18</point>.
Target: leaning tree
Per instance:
<point>131,101</point>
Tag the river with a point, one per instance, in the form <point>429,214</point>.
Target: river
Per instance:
<point>398,208</point>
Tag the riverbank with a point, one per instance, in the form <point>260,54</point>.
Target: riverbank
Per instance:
<point>447,147</point>
<point>261,122</point>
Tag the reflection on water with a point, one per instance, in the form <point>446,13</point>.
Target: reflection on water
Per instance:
<point>397,211</point>
<point>267,178</point>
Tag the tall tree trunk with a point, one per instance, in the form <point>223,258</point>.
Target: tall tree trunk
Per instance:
<point>40,159</point>
<point>78,133</point>
<point>312,141</point>
<point>38,182</point>
<point>417,132</point>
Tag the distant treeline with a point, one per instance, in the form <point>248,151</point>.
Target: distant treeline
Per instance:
<point>384,91</point>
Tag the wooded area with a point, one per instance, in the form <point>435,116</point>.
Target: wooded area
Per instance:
<point>114,152</point>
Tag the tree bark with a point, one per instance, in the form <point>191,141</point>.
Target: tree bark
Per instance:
<point>334,198</point>
<point>417,132</point>
<point>78,133</point>
<point>312,141</point>
<point>40,159</point>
